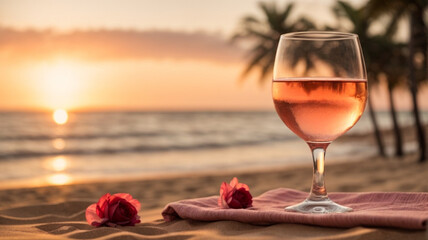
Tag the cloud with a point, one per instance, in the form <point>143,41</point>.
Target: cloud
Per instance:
<point>98,45</point>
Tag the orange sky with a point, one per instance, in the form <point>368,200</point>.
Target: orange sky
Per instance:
<point>125,70</point>
<point>132,55</point>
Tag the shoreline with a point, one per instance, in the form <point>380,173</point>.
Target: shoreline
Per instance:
<point>373,174</point>
<point>264,157</point>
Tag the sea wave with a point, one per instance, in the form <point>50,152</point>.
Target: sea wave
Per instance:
<point>24,153</point>
<point>72,136</point>
<point>24,135</point>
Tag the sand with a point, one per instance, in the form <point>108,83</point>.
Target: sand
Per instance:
<point>57,212</point>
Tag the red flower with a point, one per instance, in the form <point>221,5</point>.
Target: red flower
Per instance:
<point>112,210</point>
<point>235,195</point>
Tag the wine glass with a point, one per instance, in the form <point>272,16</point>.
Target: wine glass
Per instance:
<point>319,89</point>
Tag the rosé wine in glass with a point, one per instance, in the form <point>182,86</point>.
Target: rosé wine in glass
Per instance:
<point>319,89</point>
<point>306,104</point>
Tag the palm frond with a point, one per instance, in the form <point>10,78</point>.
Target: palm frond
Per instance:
<point>250,19</point>
<point>376,8</point>
<point>286,13</point>
<point>265,33</point>
<point>267,66</point>
<point>258,54</point>
<point>345,9</point>
<point>269,10</point>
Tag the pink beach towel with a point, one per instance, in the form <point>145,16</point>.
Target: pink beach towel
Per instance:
<point>400,210</point>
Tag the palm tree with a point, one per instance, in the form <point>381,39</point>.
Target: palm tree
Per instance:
<point>360,24</point>
<point>392,62</point>
<point>265,34</point>
<point>417,49</point>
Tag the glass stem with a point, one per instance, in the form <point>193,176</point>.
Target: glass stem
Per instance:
<point>318,189</point>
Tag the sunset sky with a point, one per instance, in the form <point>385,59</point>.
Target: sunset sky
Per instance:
<point>132,55</point>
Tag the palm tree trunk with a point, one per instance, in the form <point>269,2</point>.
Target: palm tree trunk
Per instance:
<point>397,131</point>
<point>377,133</point>
<point>415,33</point>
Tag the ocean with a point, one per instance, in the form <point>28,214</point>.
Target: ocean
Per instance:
<point>35,151</point>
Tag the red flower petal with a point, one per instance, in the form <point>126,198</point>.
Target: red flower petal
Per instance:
<point>225,192</point>
<point>102,205</point>
<point>234,182</point>
<point>112,209</point>
<point>91,214</point>
<point>129,198</point>
<point>242,185</point>
<point>234,203</point>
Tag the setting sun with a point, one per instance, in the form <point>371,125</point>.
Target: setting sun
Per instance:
<point>60,116</point>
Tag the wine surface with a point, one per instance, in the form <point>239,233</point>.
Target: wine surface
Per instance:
<point>319,109</point>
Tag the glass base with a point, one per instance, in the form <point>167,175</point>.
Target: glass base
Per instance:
<point>323,206</point>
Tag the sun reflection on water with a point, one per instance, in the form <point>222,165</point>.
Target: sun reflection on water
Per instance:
<point>59,179</point>
<point>57,164</point>
<point>58,143</point>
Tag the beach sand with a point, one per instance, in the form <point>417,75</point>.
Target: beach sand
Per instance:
<point>58,212</point>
